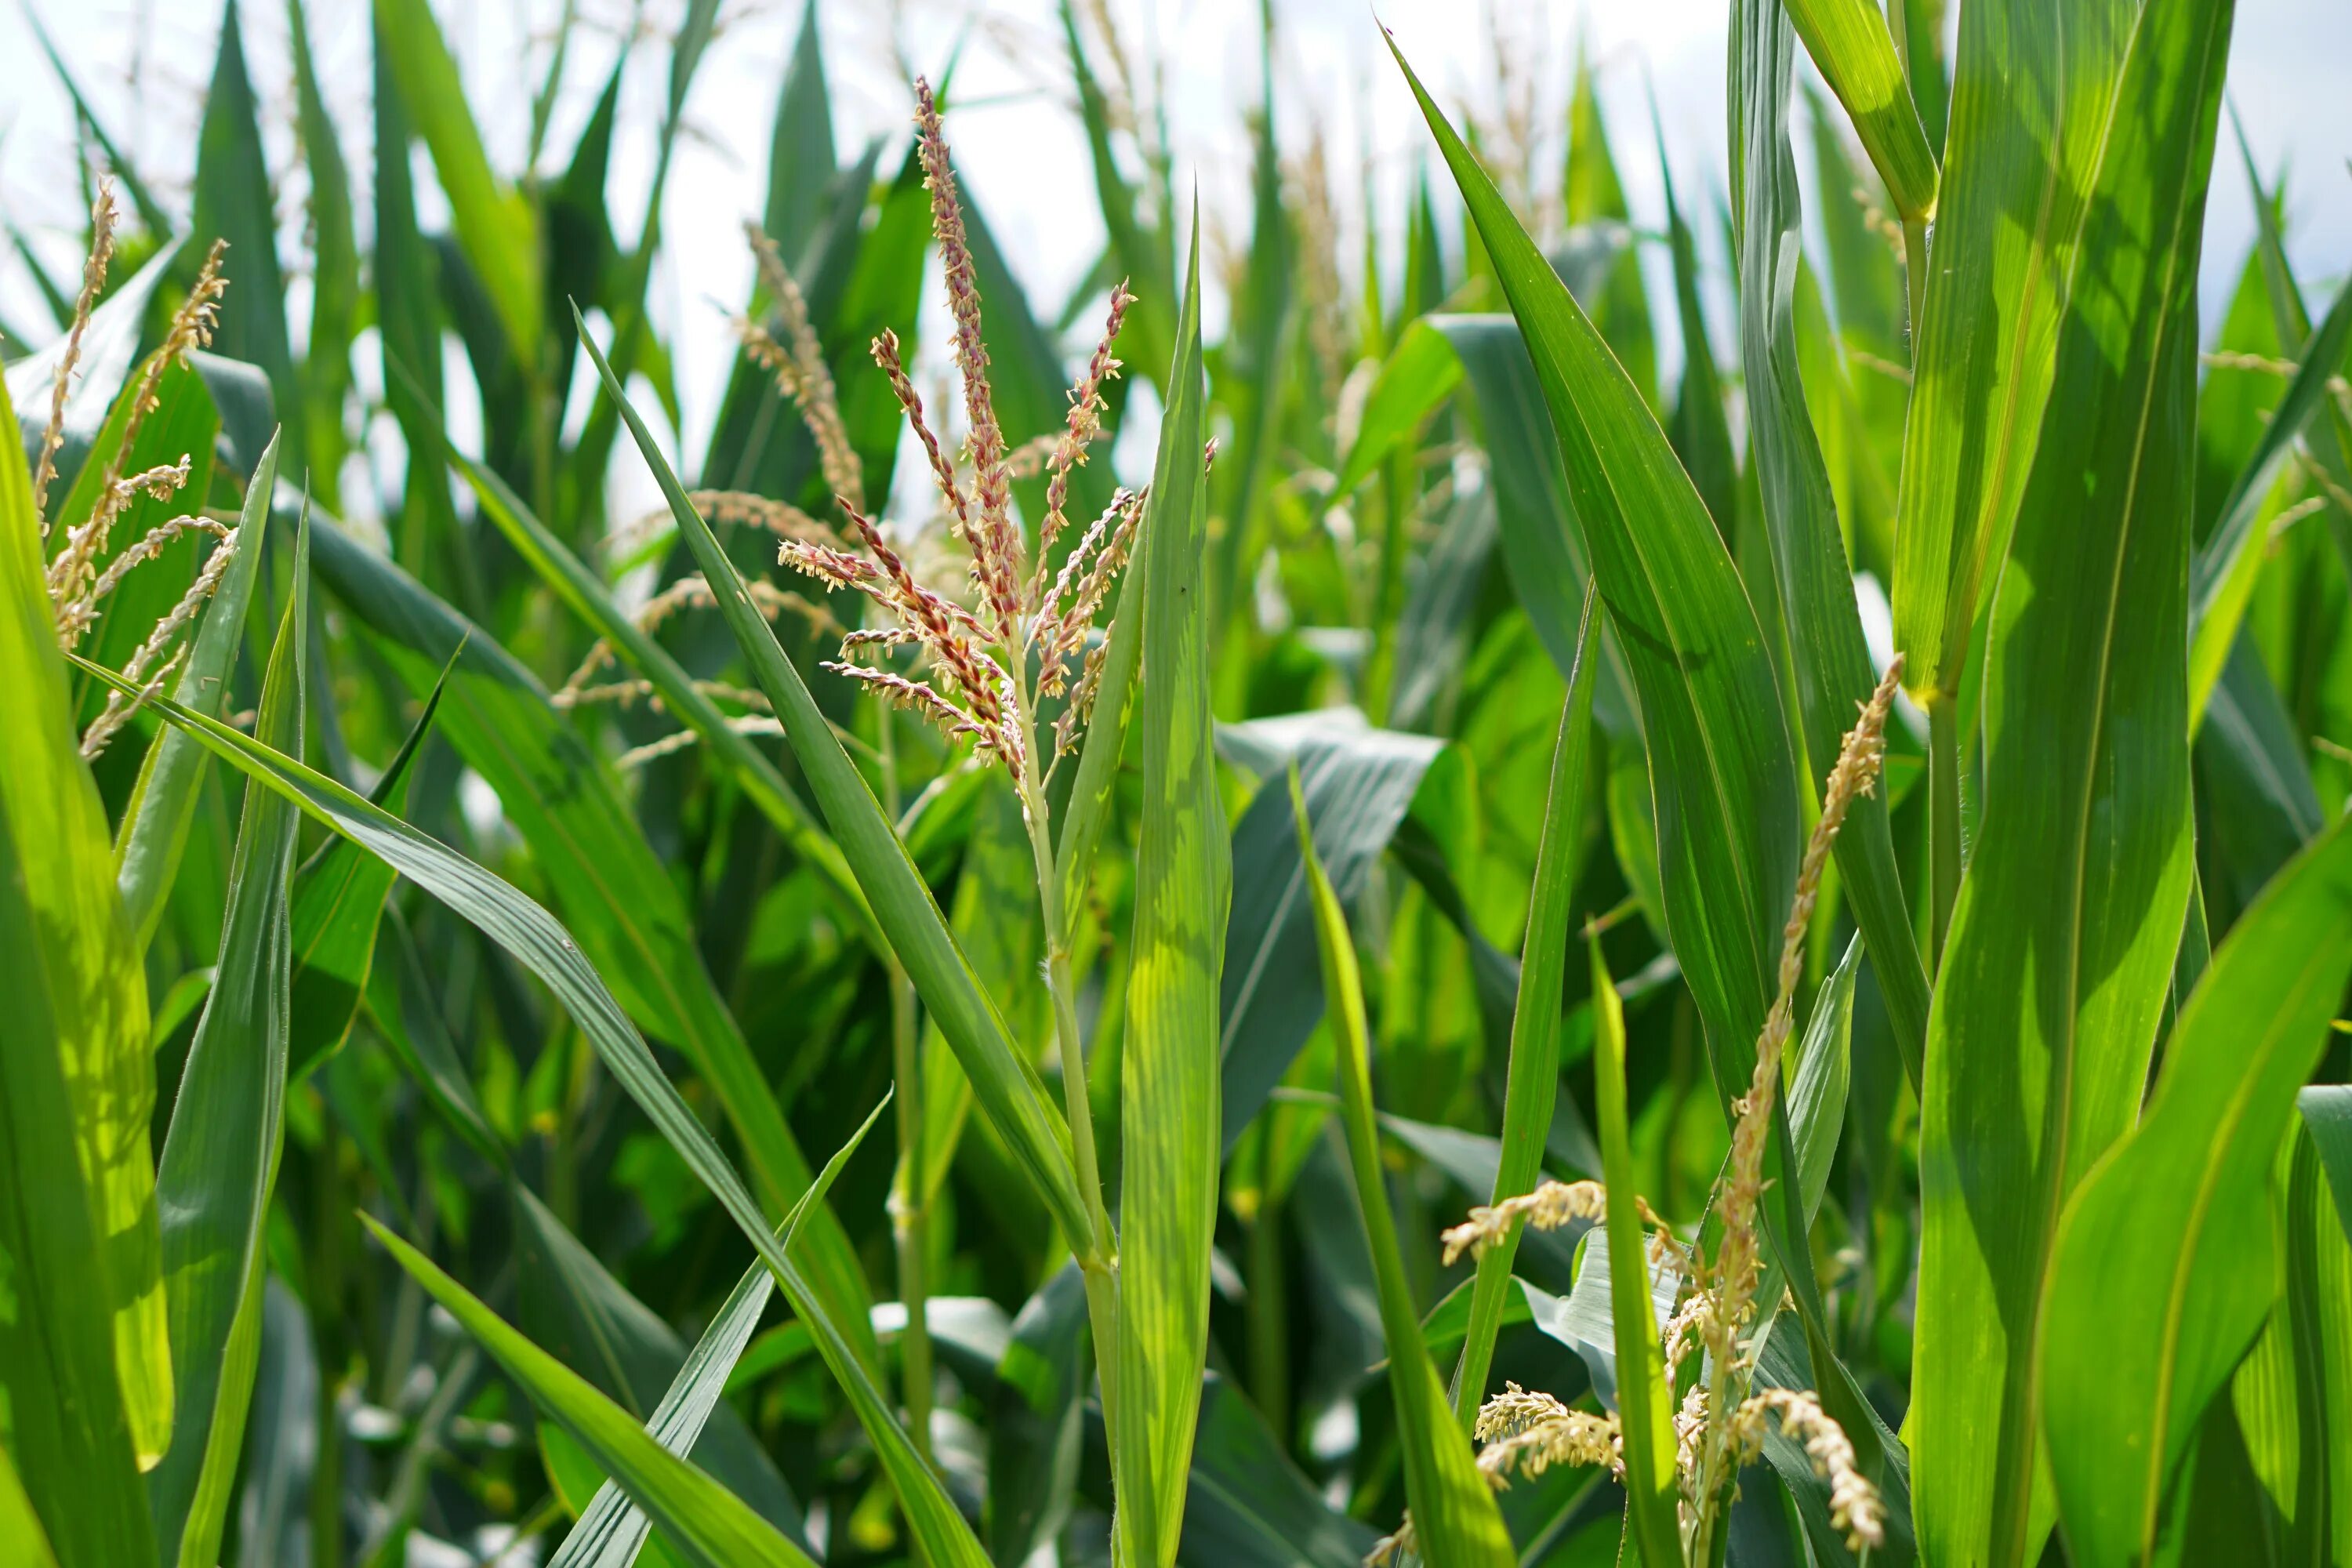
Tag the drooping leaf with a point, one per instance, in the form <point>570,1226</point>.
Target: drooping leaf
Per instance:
<point>578,586</point>
<point>631,921</point>
<point>541,944</point>
<point>708,1523</point>
<point>337,899</point>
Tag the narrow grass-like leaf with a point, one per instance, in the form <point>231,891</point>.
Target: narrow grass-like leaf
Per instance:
<point>233,203</point>
<point>2030,96</point>
<point>1360,783</point>
<point>1722,772</point>
<point>697,1515</point>
<point>2175,1220</point>
<point>1533,1081</point>
<point>1849,41</point>
<point>612,1529</point>
<point>1249,1505</point>
<point>1010,1092</point>
<point>1169,1117</point>
<point>619,898</point>
<point>1593,195</point>
<point>1543,542</point>
<point>1420,373</point>
<point>154,833</point>
<point>1831,660</point>
<point>498,229</point>
<point>220,1157</point>
<point>1644,1401</point>
<point>2063,937</point>
<point>338,897</point>
<point>2222,575</point>
<point>1037,1420</point>
<point>541,945</point>
<point>334,272</point>
<point>77,1023</point>
<point>1454,1519</point>
<point>578,586</point>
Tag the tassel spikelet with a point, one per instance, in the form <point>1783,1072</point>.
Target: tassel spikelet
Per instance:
<point>73,574</point>
<point>93,283</point>
<point>797,363</point>
<point>977,658</point>
<point>1722,1420</point>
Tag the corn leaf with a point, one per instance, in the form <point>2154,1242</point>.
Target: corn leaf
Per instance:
<point>1420,373</point>
<point>1721,768</point>
<point>1532,1083</point>
<point>702,1519</point>
<point>610,1530</point>
<point>2029,98</point>
<point>496,227</point>
<point>76,1196</point>
<point>326,375</point>
<point>2227,564</point>
<point>2176,1219</point>
<point>579,587</point>
<point>220,1157</point>
<point>1849,41</point>
<point>2063,937</point>
<point>543,946</point>
<point>1170,1123</point>
<point>1455,1519</point>
<point>1360,783</point>
<point>1644,1400</point>
<point>1830,659</point>
<point>338,897</point>
<point>628,914</point>
<point>233,203</point>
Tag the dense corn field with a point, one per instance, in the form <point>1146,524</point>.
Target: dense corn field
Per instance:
<point>1373,935</point>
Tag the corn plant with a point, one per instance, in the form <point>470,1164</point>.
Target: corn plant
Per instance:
<point>1421,981</point>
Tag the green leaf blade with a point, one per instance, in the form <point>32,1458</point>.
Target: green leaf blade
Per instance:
<point>2066,927</point>
<point>1171,1122</point>
<point>2163,1273</point>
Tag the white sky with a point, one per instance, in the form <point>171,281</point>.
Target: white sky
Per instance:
<point>1017,146</point>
